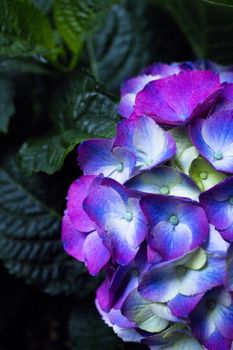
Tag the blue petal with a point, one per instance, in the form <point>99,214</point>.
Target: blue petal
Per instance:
<point>122,226</point>
<point>150,144</point>
<point>96,157</point>
<point>213,138</point>
<point>161,284</point>
<point>164,180</point>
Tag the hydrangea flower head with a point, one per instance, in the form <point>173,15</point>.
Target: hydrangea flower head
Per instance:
<point>154,210</point>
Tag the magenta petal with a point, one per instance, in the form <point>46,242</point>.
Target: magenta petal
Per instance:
<point>73,240</point>
<point>102,295</point>
<point>182,306</point>
<point>78,191</point>
<point>177,99</point>
<point>129,91</point>
<point>96,255</point>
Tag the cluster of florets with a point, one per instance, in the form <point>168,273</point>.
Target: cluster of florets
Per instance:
<point>154,209</point>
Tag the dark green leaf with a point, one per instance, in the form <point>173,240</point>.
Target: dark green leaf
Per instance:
<point>208,27</point>
<point>75,19</point>
<point>7,108</point>
<point>14,66</point>
<point>115,50</point>
<point>48,154</point>
<point>43,5</point>
<point>83,104</point>
<point>227,3</point>
<point>24,30</point>
<point>89,332</point>
<point>30,242</point>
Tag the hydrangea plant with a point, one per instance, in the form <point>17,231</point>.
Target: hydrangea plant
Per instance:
<point>154,210</point>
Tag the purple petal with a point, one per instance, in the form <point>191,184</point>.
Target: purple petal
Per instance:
<point>116,318</point>
<point>166,70</point>
<point>212,318</point>
<point>197,139</point>
<point>213,138</point>
<point>188,232</point>
<point>217,204</point>
<point>122,226</point>
<point>150,144</point>
<point>202,324</point>
<point>229,270</point>
<point>177,99</point>
<point>129,91</point>
<point>182,306</point>
<point>199,281</point>
<point>73,240</point>
<point>164,180</point>
<point>216,244</point>
<point>102,295</point>
<point>216,341</point>
<point>96,255</point>
<point>96,157</point>
<point>123,282</point>
<point>226,101</point>
<point>148,316</point>
<point>223,319</point>
<point>78,191</point>
<point>127,334</point>
<point>160,284</point>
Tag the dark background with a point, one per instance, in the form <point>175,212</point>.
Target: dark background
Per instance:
<point>47,298</point>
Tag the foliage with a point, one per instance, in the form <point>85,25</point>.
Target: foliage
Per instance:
<point>61,66</point>
<point>206,25</point>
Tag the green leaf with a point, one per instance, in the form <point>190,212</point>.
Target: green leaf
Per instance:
<point>30,242</point>
<point>207,26</point>
<point>43,5</point>
<point>75,19</point>
<point>24,30</point>
<point>48,154</point>
<point>84,105</point>
<point>204,175</point>
<point>123,38</point>
<point>227,3</point>
<point>7,108</point>
<point>185,151</point>
<point>14,66</point>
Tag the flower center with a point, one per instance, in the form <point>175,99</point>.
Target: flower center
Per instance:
<point>128,216</point>
<point>174,220</point>
<point>203,175</point>
<point>218,155</point>
<point>119,167</point>
<point>164,190</point>
<point>180,270</point>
